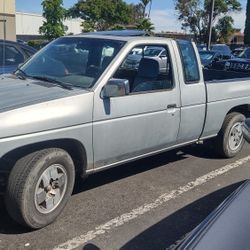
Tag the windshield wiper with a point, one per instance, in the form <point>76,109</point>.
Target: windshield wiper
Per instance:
<point>22,76</point>
<point>55,81</point>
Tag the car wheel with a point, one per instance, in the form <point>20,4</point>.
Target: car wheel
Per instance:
<point>230,139</point>
<point>39,186</point>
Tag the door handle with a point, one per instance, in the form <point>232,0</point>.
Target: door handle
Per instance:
<point>171,106</point>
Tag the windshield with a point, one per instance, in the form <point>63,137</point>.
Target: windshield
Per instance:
<point>78,61</point>
<point>222,48</point>
<point>206,56</point>
<point>245,54</point>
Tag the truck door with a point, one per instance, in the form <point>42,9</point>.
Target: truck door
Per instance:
<point>145,121</point>
<point>193,92</point>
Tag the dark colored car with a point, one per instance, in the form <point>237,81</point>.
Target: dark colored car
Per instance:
<point>227,227</point>
<point>225,51</point>
<point>210,58</point>
<point>12,54</point>
<point>239,64</point>
<point>236,52</point>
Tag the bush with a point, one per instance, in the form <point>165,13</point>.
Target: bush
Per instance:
<point>38,44</point>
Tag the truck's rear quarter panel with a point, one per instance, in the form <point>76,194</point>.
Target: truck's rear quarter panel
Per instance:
<point>223,97</point>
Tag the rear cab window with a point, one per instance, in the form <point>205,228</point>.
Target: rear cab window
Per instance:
<point>189,62</point>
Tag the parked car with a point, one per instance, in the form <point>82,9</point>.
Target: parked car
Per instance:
<point>238,64</point>
<point>158,53</point>
<point>210,58</point>
<point>62,118</point>
<point>12,54</point>
<point>21,41</point>
<point>236,52</point>
<point>227,227</point>
<point>224,49</point>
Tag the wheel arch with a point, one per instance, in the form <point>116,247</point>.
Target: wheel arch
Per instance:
<point>243,109</point>
<point>75,149</point>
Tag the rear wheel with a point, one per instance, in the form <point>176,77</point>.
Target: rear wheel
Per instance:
<point>39,186</point>
<point>230,139</point>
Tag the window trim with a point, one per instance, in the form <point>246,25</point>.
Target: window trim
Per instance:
<point>183,66</point>
<point>166,46</point>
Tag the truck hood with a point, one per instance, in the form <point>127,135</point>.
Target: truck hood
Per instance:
<point>16,93</point>
<point>28,106</point>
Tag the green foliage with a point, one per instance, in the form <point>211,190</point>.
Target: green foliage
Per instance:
<point>194,15</point>
<point>118,27</point>
<point>101,15</point>
<point>37,43</point>
<point>53,12</point>
<point>137,12</point>
<point>225,29</point>
<point>88,26</point>
<point>247,26</point>
<point>146,25</point>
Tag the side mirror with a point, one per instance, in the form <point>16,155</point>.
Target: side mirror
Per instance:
<point>115,88</point>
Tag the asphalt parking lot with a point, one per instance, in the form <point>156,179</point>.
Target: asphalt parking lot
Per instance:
<point>147,204</point>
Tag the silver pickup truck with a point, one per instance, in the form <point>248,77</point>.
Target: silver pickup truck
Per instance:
<point>73,109</point>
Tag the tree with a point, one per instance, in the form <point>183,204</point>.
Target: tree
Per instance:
<point>194,15</point>
<point>137,12</point>
<point>101,15</point>
<point>53,12</point>
<point>247,26</point>
<point>191,15</point>
<point>225,28</point>
<point>146,25</point>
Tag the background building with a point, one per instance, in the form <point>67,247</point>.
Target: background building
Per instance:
<point>237,37</point>
<point>28,24</point>
<point>7,20</point>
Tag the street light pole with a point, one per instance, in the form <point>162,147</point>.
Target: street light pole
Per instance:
<point>210,26</point>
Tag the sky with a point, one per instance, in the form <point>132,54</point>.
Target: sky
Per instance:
<point>163,14</point>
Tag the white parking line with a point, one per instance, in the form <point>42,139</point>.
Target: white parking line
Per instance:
<point>164,198</point>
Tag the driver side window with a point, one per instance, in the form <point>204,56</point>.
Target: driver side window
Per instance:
<point>147,68</point>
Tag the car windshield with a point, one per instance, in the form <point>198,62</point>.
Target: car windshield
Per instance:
<point>206,56</point>
<point>222,48</point>
<point>245,54</point>
<point>77,61</point>
<point>152,52</point>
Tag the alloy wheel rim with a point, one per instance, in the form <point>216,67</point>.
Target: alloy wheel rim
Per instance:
<point>235,136</point>
<point>50,188</point>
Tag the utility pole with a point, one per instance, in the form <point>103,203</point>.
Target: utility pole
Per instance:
<point>150,8</point>
<point>210,26</point>
<point>4,28</point>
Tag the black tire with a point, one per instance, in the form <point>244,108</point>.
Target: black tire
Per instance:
<point>222,144</point>
<point>20,196</point>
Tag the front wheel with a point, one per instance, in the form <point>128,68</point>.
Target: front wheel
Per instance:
<point>39,186</point>
<point>230,139</point>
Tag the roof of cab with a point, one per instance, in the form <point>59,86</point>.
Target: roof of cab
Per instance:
<point>122,38</point>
